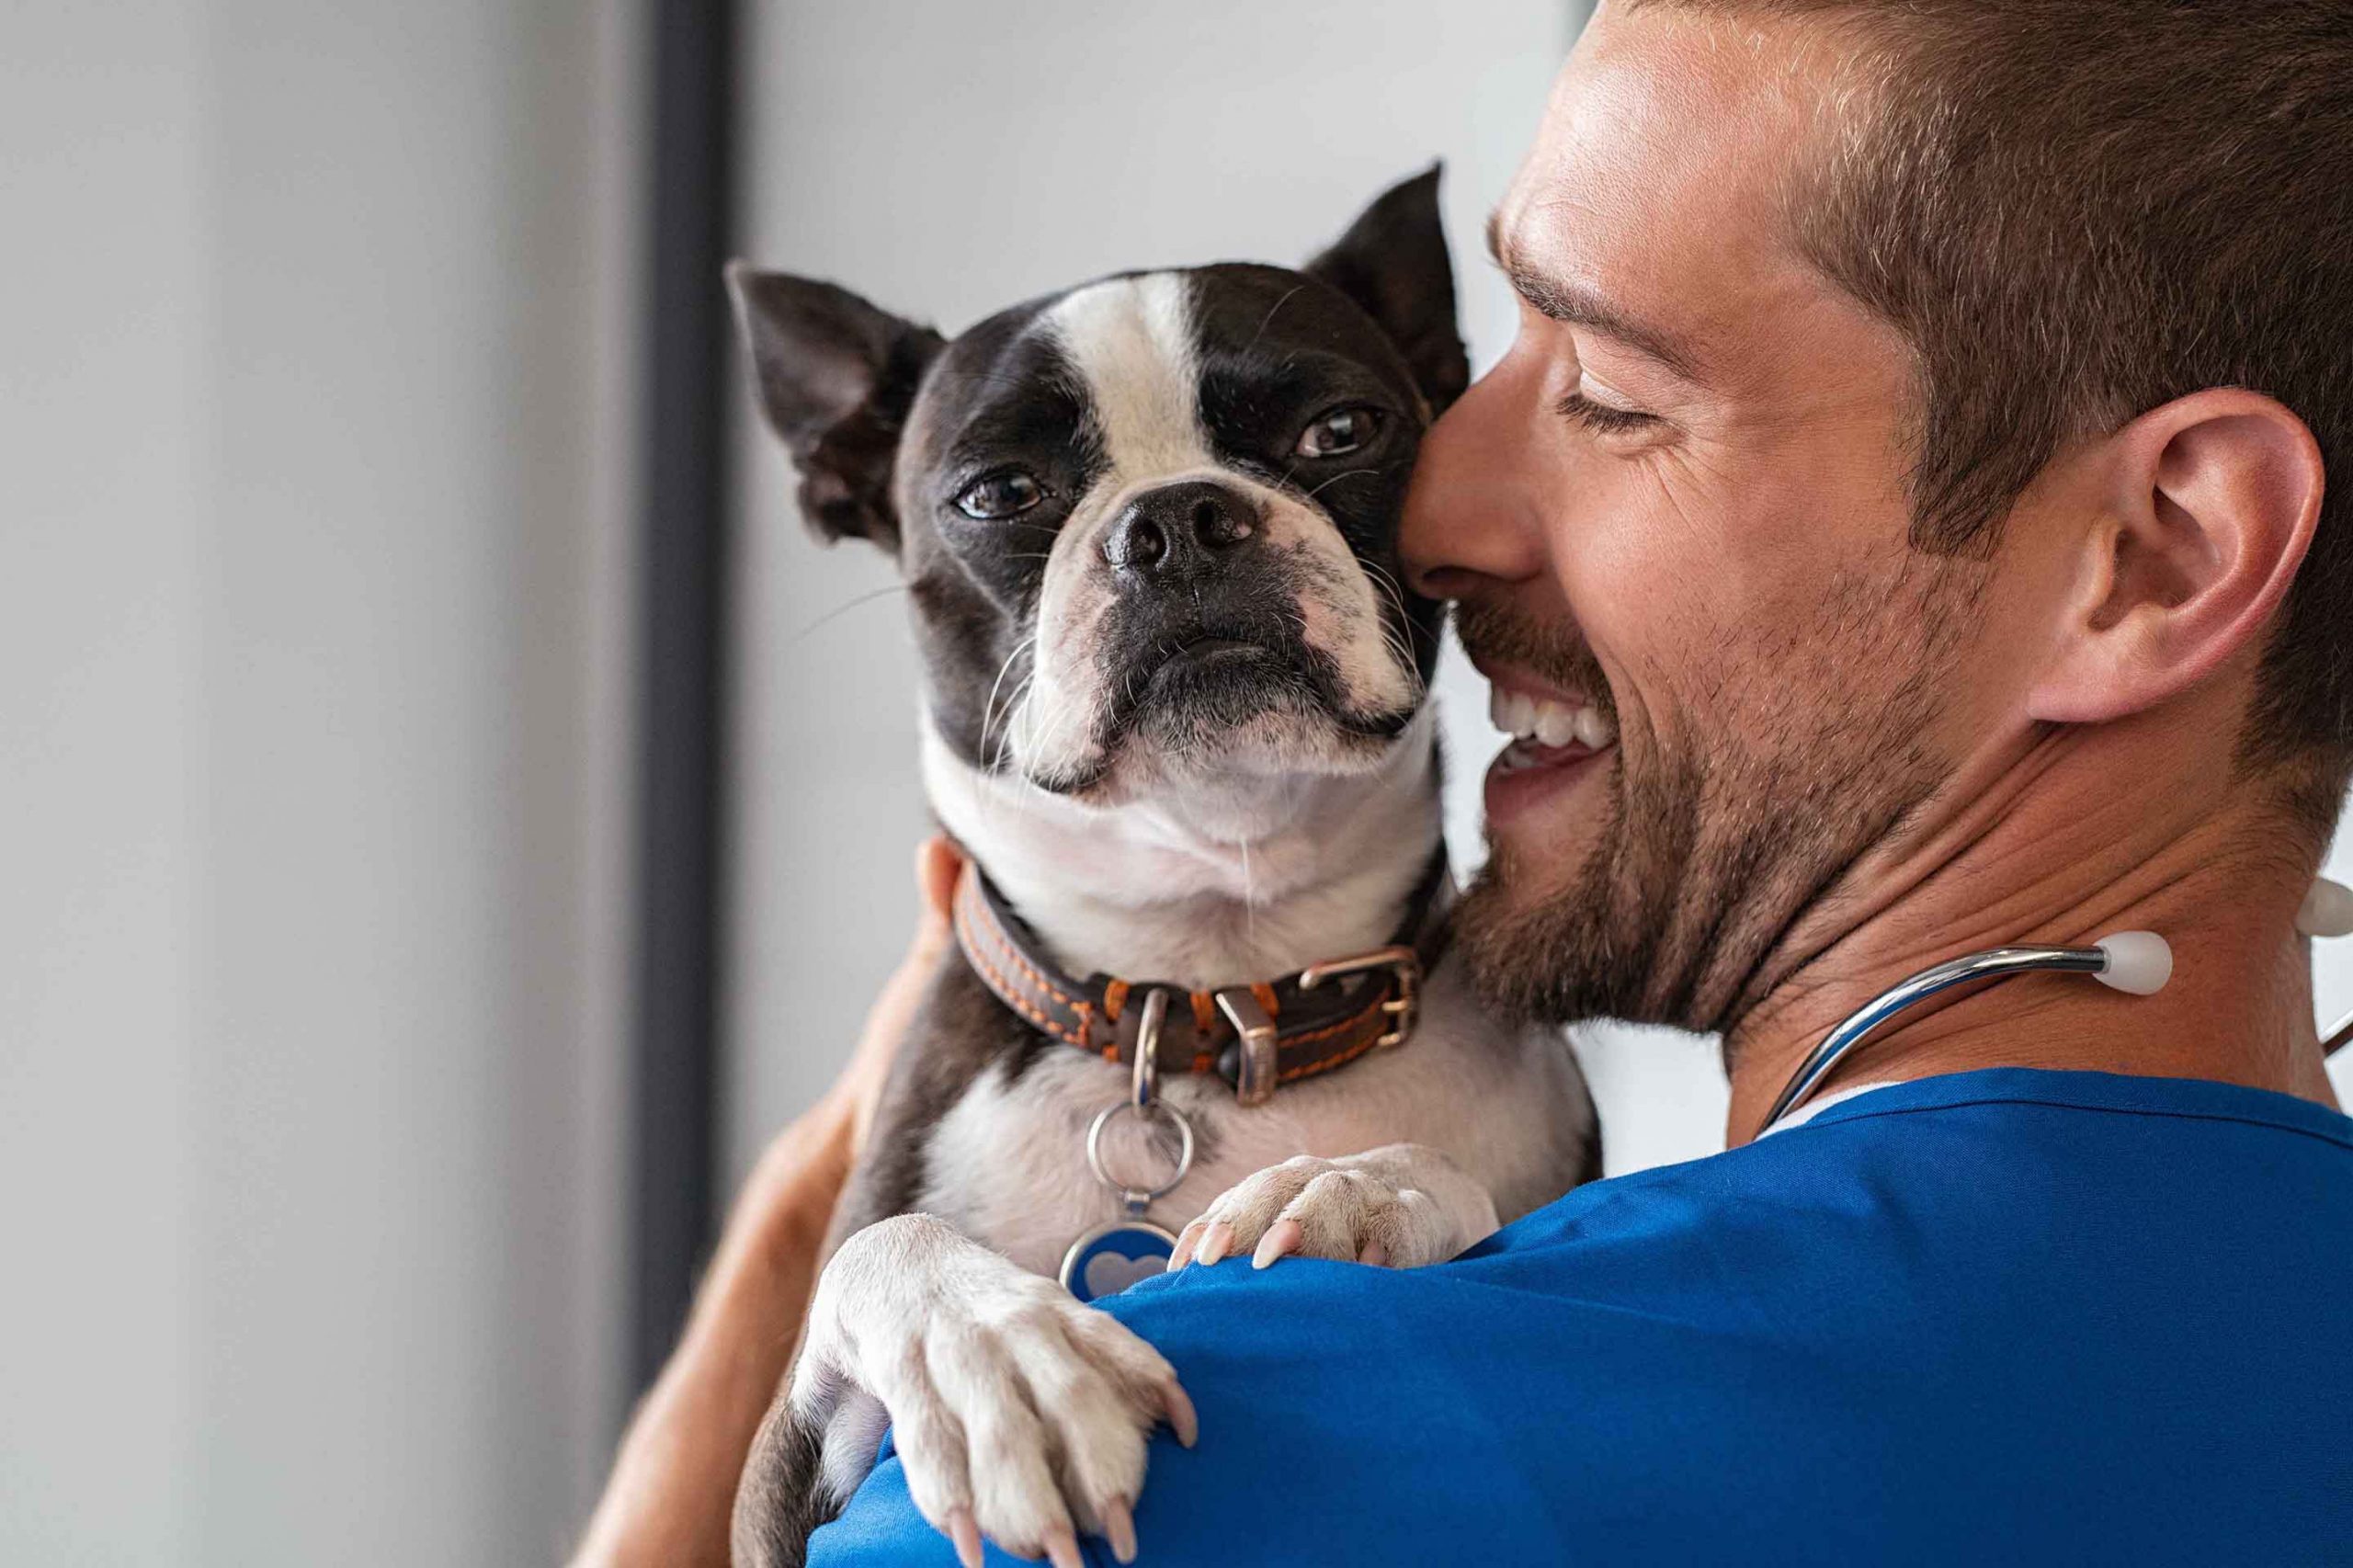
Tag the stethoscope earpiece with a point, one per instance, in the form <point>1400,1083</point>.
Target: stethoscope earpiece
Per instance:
<point>2138,962</point>
<point>2327,910</point>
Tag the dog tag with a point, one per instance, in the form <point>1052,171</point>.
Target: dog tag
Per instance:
<point>1109,1259</point>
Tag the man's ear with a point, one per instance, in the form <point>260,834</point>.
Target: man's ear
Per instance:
<point>2212,500</point>
<point>835,377</point>
<point>1392,263</point>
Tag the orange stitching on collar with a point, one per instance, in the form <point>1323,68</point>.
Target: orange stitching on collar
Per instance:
<point>1337,1059</point>
<point>1353,1020</point>
<point>1013,959</point>
<point>1005,992</point>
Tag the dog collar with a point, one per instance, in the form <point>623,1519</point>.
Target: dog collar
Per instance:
<point>1254,1036</point>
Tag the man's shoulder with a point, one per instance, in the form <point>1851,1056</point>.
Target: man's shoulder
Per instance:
<point>1661,1366</point>
<point>1387,1405</point>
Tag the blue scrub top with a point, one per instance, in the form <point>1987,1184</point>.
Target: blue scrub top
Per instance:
<point>1993,1317</point>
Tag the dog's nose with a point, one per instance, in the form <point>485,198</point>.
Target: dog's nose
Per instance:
<point>1180,530</point>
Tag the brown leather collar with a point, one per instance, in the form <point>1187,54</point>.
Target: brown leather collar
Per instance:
<point>1255,1036</point>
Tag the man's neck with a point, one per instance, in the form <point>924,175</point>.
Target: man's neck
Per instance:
<point>2049,850</point>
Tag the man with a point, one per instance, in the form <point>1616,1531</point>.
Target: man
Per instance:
<point>1917,438</point>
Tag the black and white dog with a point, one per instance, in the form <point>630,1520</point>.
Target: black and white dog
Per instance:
<point>1175,703</point>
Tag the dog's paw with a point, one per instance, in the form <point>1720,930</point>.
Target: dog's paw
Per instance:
<point>1019,1413</point>
<point>1403,1206</point>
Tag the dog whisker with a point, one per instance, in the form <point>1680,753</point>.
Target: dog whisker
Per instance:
<point>842,609</point>
<point>1351,474</point>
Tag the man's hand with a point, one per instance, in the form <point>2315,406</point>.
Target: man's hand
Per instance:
<point>673,1486</point>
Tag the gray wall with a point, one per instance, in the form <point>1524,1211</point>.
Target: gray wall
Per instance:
<point>947,160</point>
<point>309,1106</point>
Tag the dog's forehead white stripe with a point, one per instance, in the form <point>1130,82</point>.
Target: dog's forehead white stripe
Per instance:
<point>1130,340</point>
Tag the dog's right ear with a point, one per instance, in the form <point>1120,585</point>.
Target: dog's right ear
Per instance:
<point>837,377</point>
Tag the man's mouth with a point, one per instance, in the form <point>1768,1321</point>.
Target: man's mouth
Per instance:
<point>1540,725</point>
<point>1552,734</point>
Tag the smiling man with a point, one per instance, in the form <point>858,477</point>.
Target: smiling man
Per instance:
<point>1906,510</point>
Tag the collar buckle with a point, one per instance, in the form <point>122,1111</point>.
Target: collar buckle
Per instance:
<point>1255,1068</point>
<point>1404,1008</point>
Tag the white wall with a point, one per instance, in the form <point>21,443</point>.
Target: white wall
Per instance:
<point>949,160</point>
<point>308,582</point>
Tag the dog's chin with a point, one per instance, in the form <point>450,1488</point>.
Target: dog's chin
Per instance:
<point>1235,717</point>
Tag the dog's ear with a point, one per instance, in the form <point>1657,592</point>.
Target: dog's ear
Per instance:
<point>837,377</point>
<point>1392,263</point>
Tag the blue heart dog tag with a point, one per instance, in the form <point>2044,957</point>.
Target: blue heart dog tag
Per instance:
<point>1109,1259</point>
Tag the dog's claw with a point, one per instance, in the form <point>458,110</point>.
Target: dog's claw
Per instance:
<point>1119,1529</point>
<point>1282,1237</point>
<point>1374,1253</point>
<point>1214,1241</point>
<point>966,1534</point>
<point>1186,1240</point>
<point>1181,1417</point>
<point>1062,1547</point>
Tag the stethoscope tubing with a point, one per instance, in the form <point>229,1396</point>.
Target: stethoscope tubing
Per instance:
<point>1864,1020</point>
<point>2136,962</point>
<point>1993,963</point>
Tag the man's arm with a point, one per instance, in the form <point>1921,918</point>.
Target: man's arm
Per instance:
<point>672,1487</point>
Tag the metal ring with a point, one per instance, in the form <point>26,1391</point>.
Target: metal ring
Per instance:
<point>1143,1084</point>
<point>1184,1153</point>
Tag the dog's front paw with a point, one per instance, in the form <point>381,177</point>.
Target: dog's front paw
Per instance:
<point>1019,1413</point>
<point>1402,1205</point>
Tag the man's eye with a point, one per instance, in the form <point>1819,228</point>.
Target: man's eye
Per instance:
<point>1600,417</point>
<point>1006,494</point>
<point>1341,430</point>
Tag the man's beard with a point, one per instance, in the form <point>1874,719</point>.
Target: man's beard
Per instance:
<point>1721,827</point>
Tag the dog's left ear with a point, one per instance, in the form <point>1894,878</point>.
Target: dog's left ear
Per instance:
<point>1392,263</point>
<point>837,377</point>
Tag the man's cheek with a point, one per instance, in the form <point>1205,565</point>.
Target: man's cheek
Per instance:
<point>1657,619</point>
<point>1650,530</point>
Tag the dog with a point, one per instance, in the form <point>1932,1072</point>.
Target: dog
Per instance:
<point>1175,711</point>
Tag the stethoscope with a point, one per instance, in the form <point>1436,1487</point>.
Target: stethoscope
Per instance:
<point>2136,962</point>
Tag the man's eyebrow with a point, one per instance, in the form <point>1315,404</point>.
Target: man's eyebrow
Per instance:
<point>1577,305</point>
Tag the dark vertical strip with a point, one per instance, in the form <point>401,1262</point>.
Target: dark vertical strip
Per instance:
<point>683,663</point>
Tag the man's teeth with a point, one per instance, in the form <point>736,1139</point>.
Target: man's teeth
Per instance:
<point>1547,722</point>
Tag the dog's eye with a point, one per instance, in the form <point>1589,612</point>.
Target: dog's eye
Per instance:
<point>999,496</point>
<point>1341,430</point>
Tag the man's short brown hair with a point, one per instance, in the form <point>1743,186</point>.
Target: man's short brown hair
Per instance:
<point>2079,210</point>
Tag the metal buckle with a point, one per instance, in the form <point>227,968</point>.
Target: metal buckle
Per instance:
<point>1405,1009</point>
<point>1143,1078</point>
<point>1254,1080</point>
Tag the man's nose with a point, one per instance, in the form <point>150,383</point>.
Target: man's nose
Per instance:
<point>1469,516</point>
<point>1180,531</point>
